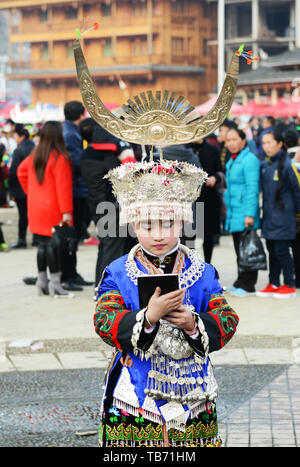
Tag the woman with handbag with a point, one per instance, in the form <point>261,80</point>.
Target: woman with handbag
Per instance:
<point>46,178</point>
<point>281,205</point>
<point>242,202</point>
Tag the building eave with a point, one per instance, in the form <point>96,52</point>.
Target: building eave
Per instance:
<point>127,69</point>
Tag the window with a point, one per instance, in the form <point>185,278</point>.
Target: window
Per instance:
<point>70,51</point>
<point>16,51</point>
<point>139,47</point>
<point>107,49</point>
<point>45,51</point>
<point>106,9</point>
<point>71,13</point>
<point>178,7</point>
<point>44,16</point>
<point>138,9</point>
<point>26,51</point>
<point>177,44</point>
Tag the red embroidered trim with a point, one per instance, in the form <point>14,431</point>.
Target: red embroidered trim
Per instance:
<point>110,309</point>
<point>225,317</point>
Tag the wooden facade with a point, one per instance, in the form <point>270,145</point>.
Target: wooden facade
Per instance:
<point>147,44</point>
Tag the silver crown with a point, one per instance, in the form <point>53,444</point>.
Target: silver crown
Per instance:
<point>156,190</point>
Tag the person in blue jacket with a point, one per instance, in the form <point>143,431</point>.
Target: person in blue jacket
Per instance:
<point>242,201</point>
<point>281,204</point>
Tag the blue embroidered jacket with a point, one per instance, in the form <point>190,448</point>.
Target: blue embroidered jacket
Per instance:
<point>118,306</point>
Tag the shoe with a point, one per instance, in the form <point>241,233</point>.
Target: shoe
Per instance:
<point>4,247</point>
<point>55,287</point>
<point>69,285</point>
<point>19,244</point>
<point>91,241</point>
<point>79,280</point>
<point>285,291</point>
<point>240,293</point>
<point>267,291</point>
<point>29,280</point>
<point>42,283</point>
<point>230,289</point>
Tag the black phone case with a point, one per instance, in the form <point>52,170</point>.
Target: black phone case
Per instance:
<point>147,285</point>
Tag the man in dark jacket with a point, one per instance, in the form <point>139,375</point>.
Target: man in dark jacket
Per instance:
<point>209,157</point>
<point>23,150</point>
<point>104,152</point>
<point>74,113</point>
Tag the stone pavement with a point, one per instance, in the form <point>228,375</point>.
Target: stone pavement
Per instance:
<point>41,333</point>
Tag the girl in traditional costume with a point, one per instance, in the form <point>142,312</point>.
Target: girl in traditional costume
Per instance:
<point>160,389</point>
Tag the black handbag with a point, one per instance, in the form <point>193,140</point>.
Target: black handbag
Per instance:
<point>65,238</point>
<point>252,256</point>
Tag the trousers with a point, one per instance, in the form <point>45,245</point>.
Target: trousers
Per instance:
<point>23,220</point>
<point>47,255</point>
<point>280,261</point>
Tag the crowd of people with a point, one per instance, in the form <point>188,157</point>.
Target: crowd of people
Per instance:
<point>54,174</point>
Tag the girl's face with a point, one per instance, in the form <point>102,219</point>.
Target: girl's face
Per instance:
<point>234,143</point>
<point>159,236</point>
<point>270,145</point>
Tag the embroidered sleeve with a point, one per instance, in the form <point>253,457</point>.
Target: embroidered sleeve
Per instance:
<point>220,321</point>
<point>117,326</point>
<point>110,309</point>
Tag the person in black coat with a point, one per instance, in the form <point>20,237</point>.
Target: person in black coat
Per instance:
<point>181,153</point>
<point>209,157</point>
<point>103,153</point>
<point>23,150</point>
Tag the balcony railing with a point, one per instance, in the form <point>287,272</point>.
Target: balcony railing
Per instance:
<point>53,65</point>
<point>105,24</point>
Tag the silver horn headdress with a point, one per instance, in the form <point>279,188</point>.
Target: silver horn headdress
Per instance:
<point>151,190</point>
<point>160,119</point>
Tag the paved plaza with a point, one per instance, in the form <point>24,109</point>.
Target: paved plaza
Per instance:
<point>258,371</point>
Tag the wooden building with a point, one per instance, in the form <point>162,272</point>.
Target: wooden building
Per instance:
<point>144,44</point>
<point>276,76</point>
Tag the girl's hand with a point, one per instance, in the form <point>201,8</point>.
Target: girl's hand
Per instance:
<point>182,318</point>
<point>161,305</point>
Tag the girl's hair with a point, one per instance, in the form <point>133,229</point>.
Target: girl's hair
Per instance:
<point>278,136</point>
<point>241,133</point>
<point>51,140</point>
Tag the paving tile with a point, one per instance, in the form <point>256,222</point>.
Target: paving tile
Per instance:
<point>73,360</point>
<point>36,362</point>
<point>228,357</point>
<point>268,356</point>
<point>5,364</point>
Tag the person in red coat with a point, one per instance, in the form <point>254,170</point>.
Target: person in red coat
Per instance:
<point>4,173</point>
<point>46,178</point>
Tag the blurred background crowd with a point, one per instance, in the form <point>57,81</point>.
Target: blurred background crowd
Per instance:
<point>52,173</point>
